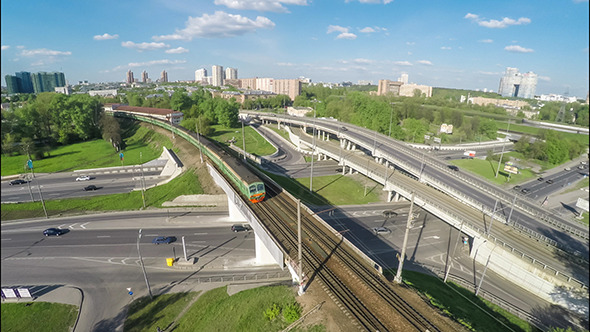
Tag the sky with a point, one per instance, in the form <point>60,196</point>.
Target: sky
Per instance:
<point>452,44</point>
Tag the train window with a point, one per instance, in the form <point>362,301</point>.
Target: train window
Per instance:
<point>252,189</point>
<point>260,187</point>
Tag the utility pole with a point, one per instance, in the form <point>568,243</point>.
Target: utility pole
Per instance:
<point>143,267</point>
<point>243,140</point>
<point>511,209</point>
<point>299,253</point>
<point>492,220</point>
<point>142,182</point>
<point>448,266</point>
<point>313,148</point>
<point>199,139</point>
<point>402,257</point>
<point>391,119</point>
<point>502,154</point>
<point>42,201</point>
<point>484,271</point>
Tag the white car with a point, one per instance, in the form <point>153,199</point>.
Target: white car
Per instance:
<point>381,230</point>
<point>83,178</point>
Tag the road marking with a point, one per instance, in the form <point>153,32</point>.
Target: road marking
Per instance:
<point>84,224</point>
<point>60,226</point>
<point>6,239</point>
<point>100,236</point>
<point>200,233</point>
<point>432,237</point>
<point>72,225</point>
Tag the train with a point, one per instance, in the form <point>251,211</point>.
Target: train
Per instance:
<point>241,176</point>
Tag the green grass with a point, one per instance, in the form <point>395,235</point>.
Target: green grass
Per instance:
<point>146,315</point>
<point>281,132</point>
<point>328,190</point>
<point>185,184</point>
<point>487,170</point>
<point>463,306</point>
<point>93,154</point>
<point>38,316</point>
<point>255,144</point>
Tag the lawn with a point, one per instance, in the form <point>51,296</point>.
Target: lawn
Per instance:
<point>38,316</point>
<point>185,184</point>
<point>255,144</point>
<point>327,190</point>
<point>93,154</point>
<point>487,169</point>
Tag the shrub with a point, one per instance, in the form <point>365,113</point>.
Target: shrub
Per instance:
<point>292,312</point>
<point>272,313</point>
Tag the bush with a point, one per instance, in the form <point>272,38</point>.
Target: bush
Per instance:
<point>272,313</point>
<point>292,312</point>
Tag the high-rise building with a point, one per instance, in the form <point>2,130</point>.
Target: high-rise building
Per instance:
<point>217,75</point>
<point>13,84</point>
<point>130,78</point>
<point>231,73</point>
<point>515,84</point>
<point>47,82</point>
<point>200,75</point>
<point>144,76</point>
<point>403,78</point>
<point>164,76</point>
<point>291,88</point>
<point>388,87</point>
<point>26,82</point>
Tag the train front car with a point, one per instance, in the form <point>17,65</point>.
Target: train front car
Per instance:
<point>257,192</point>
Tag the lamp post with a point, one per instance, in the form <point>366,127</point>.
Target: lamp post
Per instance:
<point>398,275</point>
<point>313,146</point>
<point>502,154</point>
<point>199,139</point>
<point>143,267</point>
<point>142,182</point>
<point>391,119</point>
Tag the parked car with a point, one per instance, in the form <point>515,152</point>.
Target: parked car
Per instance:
<point>90,187</point>
<point>240,228</point>
<point>17,181</point>
<point>549,181</point>
<point>381,230</point>
<point>83,178</point>
<point>54,231</point>
<point>163,239</point>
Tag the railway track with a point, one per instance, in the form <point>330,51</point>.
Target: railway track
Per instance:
<point>365,294</point>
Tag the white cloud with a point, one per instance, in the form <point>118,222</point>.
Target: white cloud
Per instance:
<point>403,63</point>
<point>261,5</point>
<point>367,30</point>
<point>363,61</point>
<point>410,43</point>
<point>43,52</point>
<point>490,73</point>
<point>144,46</point>
<point>177,50</point>
<point>495,24</point>
<point>374,1</point>
<point>346,35</point>
<point>105,36</point>
<point>445,48</point>
<point>544,78</point>
<point>218,25</point>
<point>487,41</point>
<point>518,49</point>
<point>424,62</point>
<point>332,28</point>
<point>285,64</point>
<point>5,47</point>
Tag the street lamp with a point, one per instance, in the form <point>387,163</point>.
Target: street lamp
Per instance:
<point>502,154</point>
<point>143,267</point>
<point>391,119</point>
<point>313,147</point>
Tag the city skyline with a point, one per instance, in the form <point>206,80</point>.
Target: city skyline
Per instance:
<point>452,45</point>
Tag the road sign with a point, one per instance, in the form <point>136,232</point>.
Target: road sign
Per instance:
<point>30,164</point>
<point>121,155</point>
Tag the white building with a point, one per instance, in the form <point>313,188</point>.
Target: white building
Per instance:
<point>217,75</point>
<point>200,74</point>
<point>515,84</point>
<point>231,73</point>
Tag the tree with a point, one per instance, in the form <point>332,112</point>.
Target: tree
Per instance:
<point>180,101</point>
<point>414,129</point>
<point>111,130</point>
<point>489,128</point>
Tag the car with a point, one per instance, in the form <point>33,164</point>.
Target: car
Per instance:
<point>582,167</point>
<point>454,168</point>
<point>525,191</point>
<point>343,129</point>
<point>240,228</point>
<point>540,179</point>
<point>567,169</point>
<point>381,230</point>
<point>90,187</point>
<point>389,213</point>
<point>583,162</point>
<point>338,170</point>
<point>517,187</point>
<point>54,231</point>
<point>17,181</point>
<point>83,178</point>
<point>163,239</point>
<point>549,181</point>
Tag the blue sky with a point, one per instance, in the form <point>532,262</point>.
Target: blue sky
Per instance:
<point>453,44</point>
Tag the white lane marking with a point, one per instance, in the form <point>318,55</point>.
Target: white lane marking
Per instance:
<point>72,225</point>
<point>6,239</point>
<point>432,237</point>
<point>99,236</point>
<point>60,226</point>
<point>84,225</point>
<point>200,233</point>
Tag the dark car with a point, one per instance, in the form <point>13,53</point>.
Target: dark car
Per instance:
<point>517,187</point>
<point>549,181</point>
<point>163,239</point>
<point>454,168</point>
<point>17,181</point>
<point>343,128</point>
<point>540,179</point>
<point>240,228</point>
<point>90,187</point>
<point>525,191</point>
<point>54,231</point>
<point>389,213</point>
